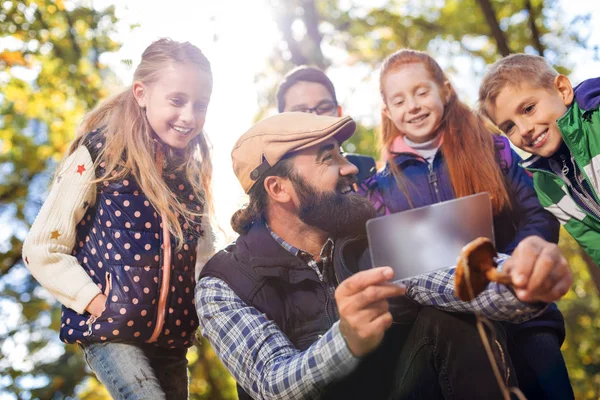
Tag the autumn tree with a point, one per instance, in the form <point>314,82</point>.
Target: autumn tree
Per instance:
<point>51,72</point>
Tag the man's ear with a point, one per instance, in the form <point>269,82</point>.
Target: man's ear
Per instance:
<point>139,93</point>
<point>339,111</point>
<point>278,189</point>
<point>564,87</point>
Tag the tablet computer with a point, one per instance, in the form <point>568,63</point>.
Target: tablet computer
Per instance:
<point>419,241</point>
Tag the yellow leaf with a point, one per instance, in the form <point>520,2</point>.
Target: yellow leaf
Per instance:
<point>12,58</point>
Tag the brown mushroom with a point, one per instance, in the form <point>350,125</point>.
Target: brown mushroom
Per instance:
<point>476,266</point>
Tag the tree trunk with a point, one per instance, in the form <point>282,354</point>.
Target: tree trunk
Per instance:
<point>535,33</point>
<point>307,50</point>
<point>497,33</point>
<point>311,21</point>
<point>284,21</point>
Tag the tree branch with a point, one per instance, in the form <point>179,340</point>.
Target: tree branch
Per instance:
<point>284,21</point>
<point>71,29</point>
<point>497,33</point>
<point>311,21</point>
<point>535,33</point>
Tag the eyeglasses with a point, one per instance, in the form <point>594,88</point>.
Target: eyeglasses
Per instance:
<point>323,108</point>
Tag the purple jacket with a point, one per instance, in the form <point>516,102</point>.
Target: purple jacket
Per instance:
<point>428,186</point>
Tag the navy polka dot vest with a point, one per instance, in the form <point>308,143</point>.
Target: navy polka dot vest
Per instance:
<point>120,244</point>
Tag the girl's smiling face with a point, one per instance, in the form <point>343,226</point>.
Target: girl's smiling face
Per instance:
<point>176,103</point>
<point>413,102</point>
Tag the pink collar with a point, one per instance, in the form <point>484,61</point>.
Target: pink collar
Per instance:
<point>400,146</point>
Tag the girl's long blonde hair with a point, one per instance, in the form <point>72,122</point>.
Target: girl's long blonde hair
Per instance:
<point>130,146</point>
<point>468,144</point>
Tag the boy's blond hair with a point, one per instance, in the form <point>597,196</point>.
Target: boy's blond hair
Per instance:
<point>513,71</point>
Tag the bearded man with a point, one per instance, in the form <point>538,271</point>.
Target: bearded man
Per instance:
<point>294,309</point>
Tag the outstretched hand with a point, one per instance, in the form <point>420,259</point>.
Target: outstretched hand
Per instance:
<point>362,303</point>
<point>539,271</point>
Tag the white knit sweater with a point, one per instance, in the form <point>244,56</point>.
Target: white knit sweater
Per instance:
<point>50,242</point>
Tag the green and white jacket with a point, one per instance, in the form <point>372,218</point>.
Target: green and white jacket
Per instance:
<point>580,129</point>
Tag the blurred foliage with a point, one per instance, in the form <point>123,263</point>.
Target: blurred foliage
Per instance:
<point>581,309</point>
<point>51,73</point>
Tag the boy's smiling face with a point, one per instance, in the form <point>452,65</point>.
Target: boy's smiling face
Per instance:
<point>528,115</point>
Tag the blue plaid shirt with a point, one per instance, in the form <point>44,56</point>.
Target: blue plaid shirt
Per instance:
<point>266,364</point>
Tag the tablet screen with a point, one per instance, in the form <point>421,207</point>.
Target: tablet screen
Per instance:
<point>422,240</point>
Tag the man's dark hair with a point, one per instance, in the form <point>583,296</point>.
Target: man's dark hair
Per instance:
<point>303,73</point>
<point>243,219</point>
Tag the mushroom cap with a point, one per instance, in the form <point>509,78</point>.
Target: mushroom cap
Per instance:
<point>475,259</point>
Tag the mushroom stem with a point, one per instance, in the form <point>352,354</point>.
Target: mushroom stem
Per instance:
<point>498,276</point>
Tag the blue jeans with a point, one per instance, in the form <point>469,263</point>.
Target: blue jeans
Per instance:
<point>539,364</point>
<point>132,371</point>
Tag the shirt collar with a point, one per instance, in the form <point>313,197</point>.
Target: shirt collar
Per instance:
<point>325,256</point>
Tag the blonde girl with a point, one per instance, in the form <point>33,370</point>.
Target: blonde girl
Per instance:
<point>117,240</point>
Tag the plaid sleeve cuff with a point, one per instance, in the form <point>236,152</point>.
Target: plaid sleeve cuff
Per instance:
<point>496,302</point>
<point>342,361</point>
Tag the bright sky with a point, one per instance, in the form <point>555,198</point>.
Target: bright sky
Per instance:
<point>238,36</point>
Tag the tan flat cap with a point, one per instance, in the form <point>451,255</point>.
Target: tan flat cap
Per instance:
<point>270,139</point>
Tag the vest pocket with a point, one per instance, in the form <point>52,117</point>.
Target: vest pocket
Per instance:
<point>92,320</point>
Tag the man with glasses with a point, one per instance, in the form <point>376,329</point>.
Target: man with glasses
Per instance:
<point>307,89</point>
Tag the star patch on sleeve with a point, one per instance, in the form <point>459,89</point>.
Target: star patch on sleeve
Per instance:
<point>54,234</point>
<point>80,169</point>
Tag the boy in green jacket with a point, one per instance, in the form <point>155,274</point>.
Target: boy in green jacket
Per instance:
<point>542,114</point>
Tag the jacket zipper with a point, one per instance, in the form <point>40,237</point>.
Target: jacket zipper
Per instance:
<point>581,194</point>
<point>166,266</point>
<point>591,203</point>
<point>568,183</point>
<point>433,180</point>
<point>593,209</point>
<point>324,287</point>
<point>327,305</point>
<point>431,176</point>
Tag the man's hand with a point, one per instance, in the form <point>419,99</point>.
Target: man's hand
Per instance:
<point>539,271</point>
<point>362,303</point>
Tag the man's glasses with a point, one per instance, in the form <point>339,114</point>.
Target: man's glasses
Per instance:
<point>323,108</point>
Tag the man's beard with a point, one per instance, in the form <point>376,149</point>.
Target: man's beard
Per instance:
<point>333,212</point>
